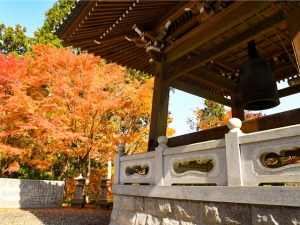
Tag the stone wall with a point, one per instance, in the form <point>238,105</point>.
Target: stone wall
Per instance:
<point>19,193</point>
<point>133,210</point>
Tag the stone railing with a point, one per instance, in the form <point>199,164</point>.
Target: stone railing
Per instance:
<point>237,160</point>
<point>241,179</point>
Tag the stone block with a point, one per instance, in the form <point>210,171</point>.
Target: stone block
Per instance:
<point>117,200</point>
<point>164,206</point>
<point>139,204</point>
<point>231,214</point>
<point>267,215</point>
<point>125,202</point>
<point>209,213</point>
<point>141,219</point>
<point>186,210</point>
<point>153,220</point>
<point>291,215</point>
<point>126,217</point>
<point>169,221</point>
<point>113,223</point>
<point>128,202</point>
<point>188,223</point>
<point>151,206</point>
<point>114,214</point>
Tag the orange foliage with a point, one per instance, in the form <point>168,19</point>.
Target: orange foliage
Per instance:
<point>13,167</point>
<point>57,106</point>
<point>134,118</point>
<point>247,114</point>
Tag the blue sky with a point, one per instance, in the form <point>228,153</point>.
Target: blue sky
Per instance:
<point>31,14</point>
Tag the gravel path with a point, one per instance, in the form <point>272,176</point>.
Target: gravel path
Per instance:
<point>89,215</point>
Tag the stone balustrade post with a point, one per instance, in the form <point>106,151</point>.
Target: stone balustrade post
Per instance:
<point>121,152</point>
<point>233,153</point>
<point>159,161</point>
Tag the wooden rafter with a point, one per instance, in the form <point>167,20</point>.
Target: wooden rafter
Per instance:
<point>216,25</point>
<point>213,79</point>
<point>232,43</point>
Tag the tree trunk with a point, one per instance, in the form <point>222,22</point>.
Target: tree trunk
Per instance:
<point>64,174</point>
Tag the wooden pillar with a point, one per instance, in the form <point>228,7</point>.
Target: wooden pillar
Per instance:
<point>236,110</point>
<point>292,20</point>
<point>160,103</point>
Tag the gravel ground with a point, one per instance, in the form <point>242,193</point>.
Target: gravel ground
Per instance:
<point>89,215</point>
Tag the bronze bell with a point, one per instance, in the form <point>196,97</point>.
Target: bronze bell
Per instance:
<point>257,87</point>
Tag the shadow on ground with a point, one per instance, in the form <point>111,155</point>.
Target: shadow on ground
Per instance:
<point>66,215</point>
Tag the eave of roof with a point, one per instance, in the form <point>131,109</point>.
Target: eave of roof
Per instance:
<point>93,27</point>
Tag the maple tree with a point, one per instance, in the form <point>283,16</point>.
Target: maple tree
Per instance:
<point>63,113</point>
<point>10,93</point>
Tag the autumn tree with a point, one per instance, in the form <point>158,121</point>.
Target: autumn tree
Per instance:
<point>134,119</point>
<point>10,93</point>
<point>78,96</point>
<point>64,114</point>
<point>66,107</point>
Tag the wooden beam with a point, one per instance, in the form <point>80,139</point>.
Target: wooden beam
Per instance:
<point>229,17</point>
<point>213,79</point>
<point>285,71</point>
<point>160,103</point>
<point>173,14</point>
<point>201,93</point>
<point>282,119</point>
<point>236,110</point>
<point>90,41</point>
<point>200,136</point>
<point>289,91</point>
<point>292,20</point>
<point>240,39</point>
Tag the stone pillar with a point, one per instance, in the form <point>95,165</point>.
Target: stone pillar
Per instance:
<point>121,151</point>
<point>79,200</point>
<point>159,160</point>
<point>104,186</point>
<point>233,153</point>
<point>103,201</point>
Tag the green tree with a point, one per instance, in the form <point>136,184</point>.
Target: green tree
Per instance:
<point>14,39</point>
<point>53,18</point>
<point>215,115</point>
<point>210,116</point>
